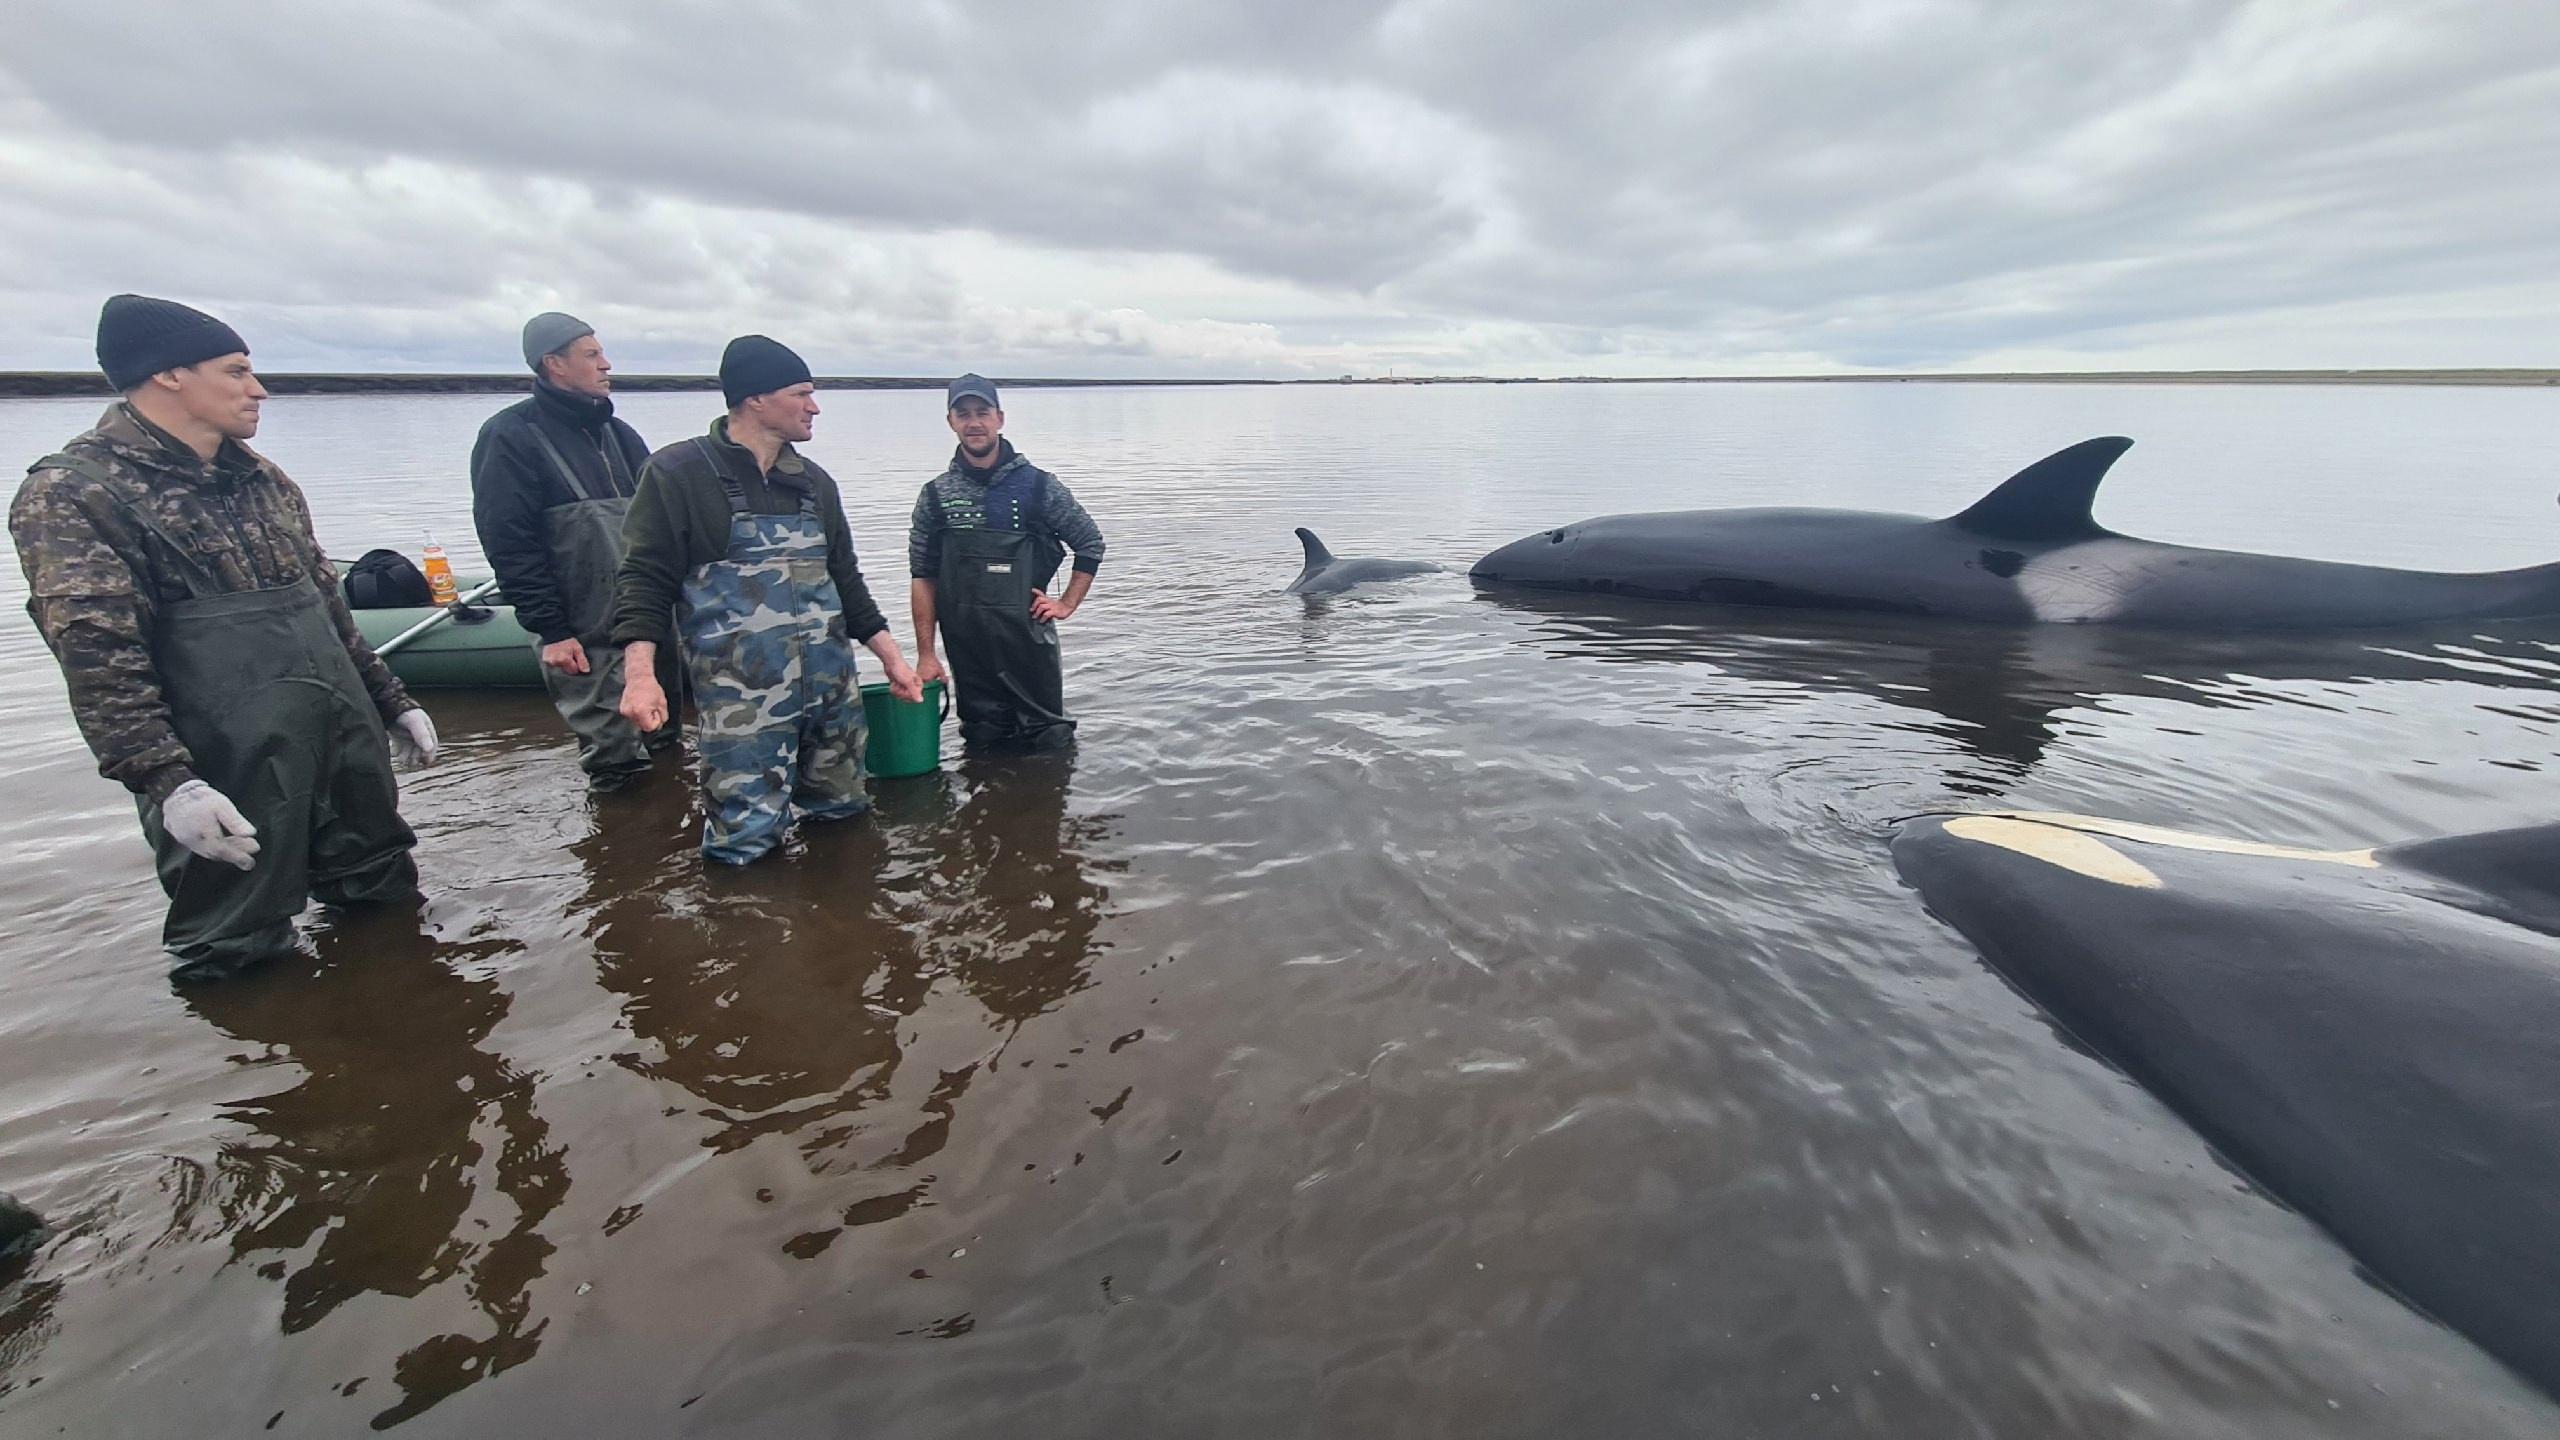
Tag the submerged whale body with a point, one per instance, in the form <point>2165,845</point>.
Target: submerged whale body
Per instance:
<point>1328,574</point>
<point>21,1229</point>
<point>2368,1034</point>
<point>2028,551</point>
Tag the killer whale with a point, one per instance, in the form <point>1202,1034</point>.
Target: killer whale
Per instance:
<point>2029,551</point>
<point>1327,574</point>
<point>2368,1033</point>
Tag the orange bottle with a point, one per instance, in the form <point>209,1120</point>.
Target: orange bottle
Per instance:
<point>439,575</point>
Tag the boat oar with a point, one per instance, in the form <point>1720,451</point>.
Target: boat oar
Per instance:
<point>443,613</point>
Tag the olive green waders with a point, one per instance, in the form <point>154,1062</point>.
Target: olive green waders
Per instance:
<point>274,716</point>
<point>1012,690</point>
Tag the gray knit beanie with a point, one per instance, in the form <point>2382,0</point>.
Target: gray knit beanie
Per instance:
<point>551,332</point>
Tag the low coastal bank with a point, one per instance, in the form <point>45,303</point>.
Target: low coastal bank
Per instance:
<point>39,383</point>
<point>22,384</point>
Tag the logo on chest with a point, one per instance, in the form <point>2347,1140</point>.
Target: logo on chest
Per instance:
<point>1004,569</point>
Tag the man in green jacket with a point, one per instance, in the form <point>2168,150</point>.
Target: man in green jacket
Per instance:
<point>212,664</point>
<point>743,541</point>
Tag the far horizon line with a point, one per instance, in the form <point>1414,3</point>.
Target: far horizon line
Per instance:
<point>39,384</point>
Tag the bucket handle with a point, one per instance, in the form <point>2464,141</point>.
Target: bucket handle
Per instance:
<point>946,697</point>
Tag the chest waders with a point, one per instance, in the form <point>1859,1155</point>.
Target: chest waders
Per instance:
<point>585,539</point>
<point>778,715</point>
<point>273,714</point>
<point>1010,689</point>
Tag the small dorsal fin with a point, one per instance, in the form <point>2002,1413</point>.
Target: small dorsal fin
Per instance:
<point>2050,499</point>
<point>1316,553</point>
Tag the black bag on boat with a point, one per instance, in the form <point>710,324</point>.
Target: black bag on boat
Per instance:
<point>387,580</point>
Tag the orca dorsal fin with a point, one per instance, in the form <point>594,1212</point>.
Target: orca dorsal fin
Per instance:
<point>1316,553</point>
<point>2050,499</point>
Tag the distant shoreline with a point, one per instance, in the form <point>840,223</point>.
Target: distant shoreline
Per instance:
<point>31,384</point>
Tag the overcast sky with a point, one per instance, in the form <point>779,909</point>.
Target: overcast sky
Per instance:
<point>1153,187</point>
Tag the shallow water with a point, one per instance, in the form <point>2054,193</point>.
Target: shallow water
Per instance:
<point>1413,1013</point>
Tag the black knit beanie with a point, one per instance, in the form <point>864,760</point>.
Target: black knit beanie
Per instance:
<point>758,365</point>
<point>138,337</point>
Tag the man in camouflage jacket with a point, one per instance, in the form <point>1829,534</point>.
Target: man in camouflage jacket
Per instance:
<point>178,583</point>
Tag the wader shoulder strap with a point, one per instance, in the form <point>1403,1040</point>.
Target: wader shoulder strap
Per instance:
<point>199,581</point>
<point>728,487</point>
<point>617,466</point>
<point>568,473</point>
<point>808,491</point>
<point>1037,511</point>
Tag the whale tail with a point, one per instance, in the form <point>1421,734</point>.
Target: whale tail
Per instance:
<point>2049,500</point>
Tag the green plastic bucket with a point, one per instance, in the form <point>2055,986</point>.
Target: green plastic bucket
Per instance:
<point>906,735</point>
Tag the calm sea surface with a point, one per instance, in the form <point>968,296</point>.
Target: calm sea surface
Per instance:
<point>1418,1013</point>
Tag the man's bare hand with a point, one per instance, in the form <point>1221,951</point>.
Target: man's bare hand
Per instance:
<point>904,683</point>
<point>644,701</point>
<point>566,656</point>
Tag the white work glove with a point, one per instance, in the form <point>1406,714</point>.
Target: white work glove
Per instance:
<point>413,738</point>
<point>205,821</point>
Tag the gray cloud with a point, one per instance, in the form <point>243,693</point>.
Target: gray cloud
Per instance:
<point>1184,187</point>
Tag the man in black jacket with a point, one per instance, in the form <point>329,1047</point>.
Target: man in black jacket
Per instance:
<point>551,479</point>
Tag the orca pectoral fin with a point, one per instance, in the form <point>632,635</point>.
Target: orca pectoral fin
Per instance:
<point>2050,499</point>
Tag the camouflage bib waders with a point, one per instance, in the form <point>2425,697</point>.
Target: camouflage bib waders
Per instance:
<point>586,548</point>
<point>1010,688</point>
<point>778,712</point>
<point>273,715</point>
